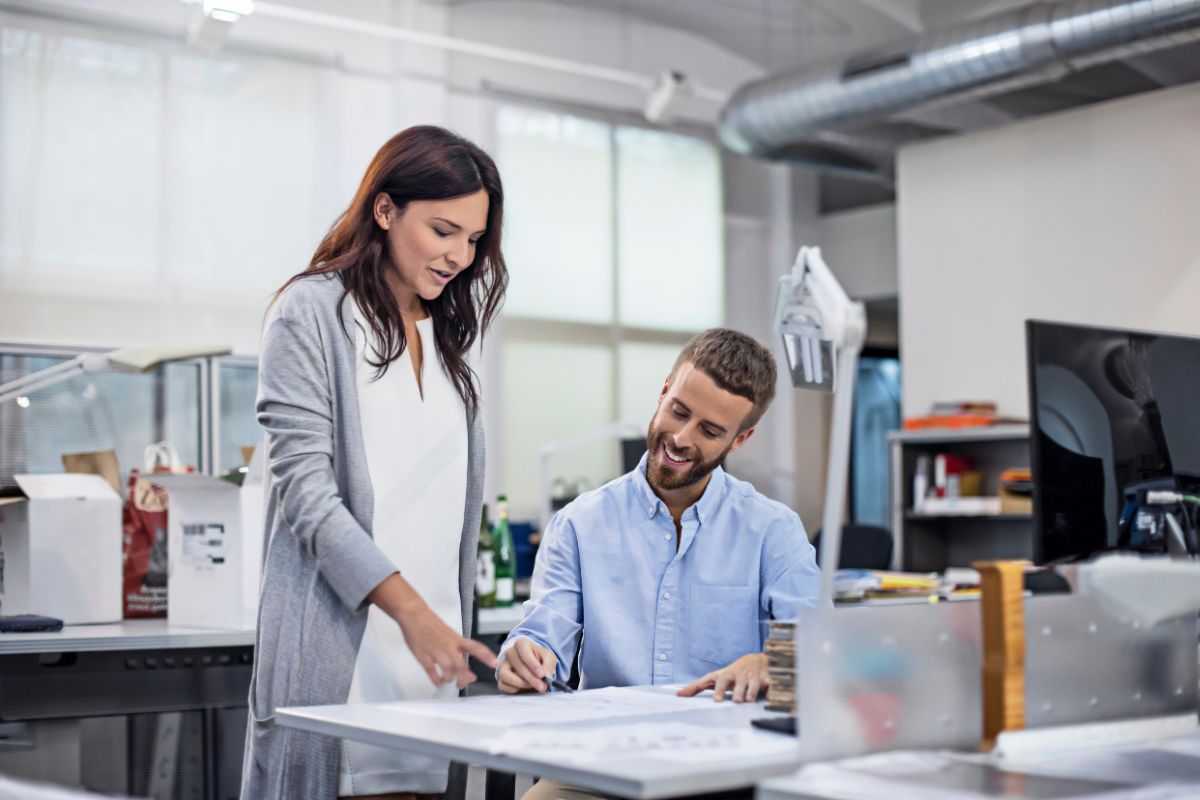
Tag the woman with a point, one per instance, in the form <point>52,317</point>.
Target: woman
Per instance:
<point>376,466</point>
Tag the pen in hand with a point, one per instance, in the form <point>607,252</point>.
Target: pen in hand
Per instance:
<point>554,684</point>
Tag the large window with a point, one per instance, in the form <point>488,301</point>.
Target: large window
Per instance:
<point>614,244</point>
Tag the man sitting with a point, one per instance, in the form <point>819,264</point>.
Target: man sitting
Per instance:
<point>673,567</point>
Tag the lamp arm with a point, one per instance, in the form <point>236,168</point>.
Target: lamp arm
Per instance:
<point>551,449</point>
<point>42,378</point>
<point>838,469</point>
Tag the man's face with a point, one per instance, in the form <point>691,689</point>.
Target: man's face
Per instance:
<point>697,424</point>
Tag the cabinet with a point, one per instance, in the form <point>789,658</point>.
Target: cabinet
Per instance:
<point>932,542</point>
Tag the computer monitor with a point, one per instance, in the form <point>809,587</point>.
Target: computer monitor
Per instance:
<point>1113,414</point>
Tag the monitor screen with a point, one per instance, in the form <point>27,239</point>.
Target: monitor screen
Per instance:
<point>1111,411</point>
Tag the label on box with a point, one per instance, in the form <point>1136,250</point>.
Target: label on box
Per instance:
<point>203,544</point>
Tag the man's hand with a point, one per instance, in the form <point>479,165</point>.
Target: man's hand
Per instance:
<point>526,666</point>
<point>746,677</point>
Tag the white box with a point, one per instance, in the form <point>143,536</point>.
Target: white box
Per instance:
<point>214,548</point>
<point>60,549</point>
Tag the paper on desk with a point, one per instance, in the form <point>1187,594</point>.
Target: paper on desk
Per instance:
<point>552,708</point>
<point>670,741</point>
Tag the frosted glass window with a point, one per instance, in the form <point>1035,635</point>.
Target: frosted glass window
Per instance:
<point>643,368</point>
<point>238,421</point>
<point>242,159</point>
<point>557,172</point>
<point>100,411</point>
<point>79,176</point>
<point>554,391</point>
<point>670,231</point>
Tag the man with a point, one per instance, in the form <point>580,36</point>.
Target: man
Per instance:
<point>672,568</point>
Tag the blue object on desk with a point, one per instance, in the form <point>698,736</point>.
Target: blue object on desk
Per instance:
<point>525,552</point>
<point>29,623</point>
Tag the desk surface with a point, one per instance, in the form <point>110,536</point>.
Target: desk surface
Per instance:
<point>133,634</point>
<point>645,776</point>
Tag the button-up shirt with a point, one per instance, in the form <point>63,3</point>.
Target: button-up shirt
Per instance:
<point>653,613</point>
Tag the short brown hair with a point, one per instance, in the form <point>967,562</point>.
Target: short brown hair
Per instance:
<point>736,363</point>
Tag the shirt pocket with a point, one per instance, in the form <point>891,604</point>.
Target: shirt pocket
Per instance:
<point>724,623</point>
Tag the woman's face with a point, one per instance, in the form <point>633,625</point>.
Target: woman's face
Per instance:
<point>432,241</point>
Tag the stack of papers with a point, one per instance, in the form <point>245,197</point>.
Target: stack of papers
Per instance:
<point>554,708</point>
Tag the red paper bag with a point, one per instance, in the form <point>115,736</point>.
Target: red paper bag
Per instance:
<point>144,522</point>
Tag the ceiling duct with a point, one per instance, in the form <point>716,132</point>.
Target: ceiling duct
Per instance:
<point>839,116</point>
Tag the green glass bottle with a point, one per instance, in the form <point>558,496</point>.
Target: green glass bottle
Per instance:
<point>506,559</point>
<point>485,565</point>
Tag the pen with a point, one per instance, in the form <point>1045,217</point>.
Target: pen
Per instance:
<point>554,684</point>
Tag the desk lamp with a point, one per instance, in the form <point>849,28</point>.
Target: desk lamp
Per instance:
<point>126,359</point>
<point>823,332</point>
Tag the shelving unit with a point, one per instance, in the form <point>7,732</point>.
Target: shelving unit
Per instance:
<point>933,542</point>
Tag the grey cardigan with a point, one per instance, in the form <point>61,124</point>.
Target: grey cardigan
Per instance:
<point>320,561</point>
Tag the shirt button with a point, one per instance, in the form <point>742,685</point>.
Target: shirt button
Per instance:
<point>667,537</point>
<point>666,595</point>
<point>662,656</point>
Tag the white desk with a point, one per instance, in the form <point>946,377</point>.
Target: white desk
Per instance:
<point>645,777</point>
<point>133,634</point>
<point>135,667</point>
<point>1162,769</point>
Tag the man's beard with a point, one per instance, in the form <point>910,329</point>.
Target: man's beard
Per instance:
<point>663,478</point>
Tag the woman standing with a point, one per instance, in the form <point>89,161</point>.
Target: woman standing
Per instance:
<point>375,454</point>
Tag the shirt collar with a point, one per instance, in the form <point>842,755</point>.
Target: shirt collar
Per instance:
<point>650,502</point>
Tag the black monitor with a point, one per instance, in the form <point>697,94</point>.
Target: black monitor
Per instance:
<point>1113,414</point>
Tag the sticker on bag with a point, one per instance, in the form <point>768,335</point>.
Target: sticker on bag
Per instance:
<point>203,544</point>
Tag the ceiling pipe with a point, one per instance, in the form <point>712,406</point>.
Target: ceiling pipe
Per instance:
<point>838,116</point>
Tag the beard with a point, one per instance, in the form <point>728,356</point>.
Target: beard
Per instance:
<point>662,477</point>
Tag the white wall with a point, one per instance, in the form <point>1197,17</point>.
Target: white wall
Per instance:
<point>1088,216</point>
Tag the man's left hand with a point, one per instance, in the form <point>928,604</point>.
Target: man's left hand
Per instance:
<point>745,677</point>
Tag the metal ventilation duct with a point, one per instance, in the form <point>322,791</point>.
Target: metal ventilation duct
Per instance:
<point>835,116</point>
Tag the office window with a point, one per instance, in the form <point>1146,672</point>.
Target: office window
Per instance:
<point>557,173</point>
<point>145,186</point>
<point>614,242</point>
<point>237,422</point>
<point>101,411</point>
<point>670,231</point>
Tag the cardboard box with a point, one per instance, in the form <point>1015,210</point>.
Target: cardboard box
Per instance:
<point>60,549</point>
<point>214,542</point>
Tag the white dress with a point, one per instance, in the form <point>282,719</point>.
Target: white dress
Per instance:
<point>416,449</point>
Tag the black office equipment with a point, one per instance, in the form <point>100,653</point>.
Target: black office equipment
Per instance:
<point>786,725</point>
<point>863,547</point>
<point>1115,440</point>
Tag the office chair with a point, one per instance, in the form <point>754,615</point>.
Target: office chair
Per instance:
<point>863,547</point>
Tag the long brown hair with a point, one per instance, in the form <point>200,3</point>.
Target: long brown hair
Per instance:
<point>421,163</point>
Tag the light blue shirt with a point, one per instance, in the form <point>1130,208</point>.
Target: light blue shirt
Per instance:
<point>608,567</point>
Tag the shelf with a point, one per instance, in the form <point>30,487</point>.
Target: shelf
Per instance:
<point>985,433</point>
<point>913,516</point>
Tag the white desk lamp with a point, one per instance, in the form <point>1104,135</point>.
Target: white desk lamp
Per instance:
<point>126,359</point>
<point>609,431</point>
<point>823,332</point>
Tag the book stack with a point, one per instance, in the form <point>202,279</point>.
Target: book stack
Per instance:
<point>781,666</point>
<point>850,585</point>
<point>959,414</point>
